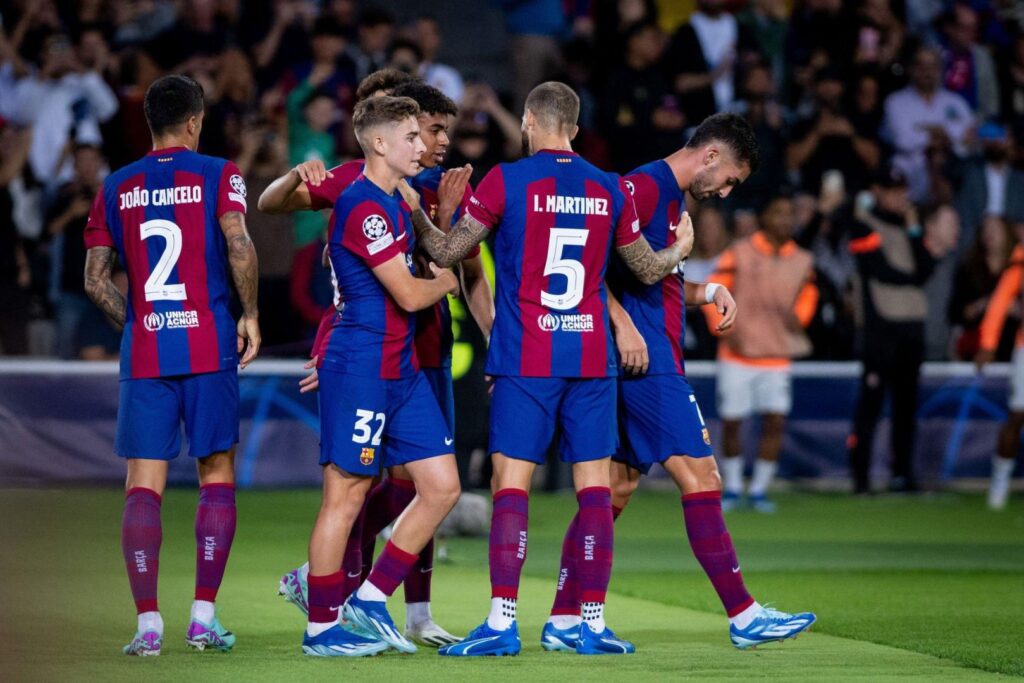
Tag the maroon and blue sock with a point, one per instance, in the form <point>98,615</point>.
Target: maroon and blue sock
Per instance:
<point>385,503</point>
<point>417,584</point>
<point>567,592</point>
<point>712,546</point>
<point>352,560</point>
<point>391,568</point>
<point>567,596</point>
<point>594,543</point>
<point>141,535</point>
<point>325,597</point>
<point>507,550</point>
<point>216,518</point>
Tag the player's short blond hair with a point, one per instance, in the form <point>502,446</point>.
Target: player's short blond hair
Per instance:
<point>380,111</point>
<point>555,106</point>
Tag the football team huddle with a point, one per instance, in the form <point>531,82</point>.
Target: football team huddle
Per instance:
<point>585,329</point>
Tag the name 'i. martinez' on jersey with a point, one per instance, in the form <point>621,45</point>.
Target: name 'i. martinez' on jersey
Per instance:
<point>557,217</point>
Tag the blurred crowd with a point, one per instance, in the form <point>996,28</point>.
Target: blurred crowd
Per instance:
<point>898,113</point>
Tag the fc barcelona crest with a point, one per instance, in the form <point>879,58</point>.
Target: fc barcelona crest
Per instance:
<point>366,456</point>
<point>703,432</point>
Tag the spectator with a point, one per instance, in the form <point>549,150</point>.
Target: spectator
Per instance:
<point>976,279</point>
<point>15,274</point>
<point>939,288</point>
<point>1012,79</point>
<point>442,76</point>
<point>821,229</point>
<point>312,114</point>
<point>278,35</point>
<point>376,28</point>
<point>827,140</point>
<point>879,35</point>
<point>63,102</point>
<point>820,32</point>
<point>405,55</point>
<point>990,185</point>
<point>641,117</point>
<point>486,133</point>
<point>611,20</point>
<point>771,279</point>
<point>968,69</point>
<point>262,159</point>
<point>766,116</point>
<point>923,112</point>
<point>534,28</point>
<point>765,21</point>
<point>894,260</point>
<point>82,329</point>
<point>711,237</point>
<point>700,61</point>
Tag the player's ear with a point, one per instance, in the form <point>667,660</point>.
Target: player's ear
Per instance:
<point>711,155</point>
<point>573,132</point>
<point>379,145</point>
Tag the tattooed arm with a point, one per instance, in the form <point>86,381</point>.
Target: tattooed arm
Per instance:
<point>245,273</point>
<point>447,250</point>
<point>648,265</point>
<point>99,262</point>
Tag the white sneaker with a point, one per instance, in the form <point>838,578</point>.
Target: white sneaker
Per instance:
<point>429,634</point>
<point>998,493</point>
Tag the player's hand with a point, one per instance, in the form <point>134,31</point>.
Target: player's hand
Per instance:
<point>684,234</point>
<point>452,187</point>
<point>248,331</point>
<point>310,382</point>
<point>445,274</point>
<point>632,349</point>
<point>983,358</point>
<point>313,172</point>
<point>409,195</point>
<point>726,307</point>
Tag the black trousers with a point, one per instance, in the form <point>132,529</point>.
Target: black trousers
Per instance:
<point>892,365</point>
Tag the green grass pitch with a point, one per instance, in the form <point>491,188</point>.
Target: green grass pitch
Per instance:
<point>931,588</point>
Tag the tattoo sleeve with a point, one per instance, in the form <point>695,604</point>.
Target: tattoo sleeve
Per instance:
<point>448,249</point>
<point>242,259</point>
<point>648,265</point>
<point>99,262</point>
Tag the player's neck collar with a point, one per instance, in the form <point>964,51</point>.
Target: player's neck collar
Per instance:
<point>166,150</point>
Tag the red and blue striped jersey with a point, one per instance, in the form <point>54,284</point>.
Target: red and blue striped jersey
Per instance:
<point>371,335</point>
<point>557,218</point>
<point>658,310</point>
<point>434,337</point>
<point>161,213</point>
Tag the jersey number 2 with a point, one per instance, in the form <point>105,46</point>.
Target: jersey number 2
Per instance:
<point>571,269</point>
<point>156,287</point>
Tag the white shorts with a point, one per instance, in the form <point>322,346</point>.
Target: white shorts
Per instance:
<point>1017,381</point>
<point>745,390</point>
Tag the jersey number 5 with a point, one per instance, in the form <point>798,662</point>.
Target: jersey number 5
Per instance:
<point>571,269</point>
<point>156,287</point>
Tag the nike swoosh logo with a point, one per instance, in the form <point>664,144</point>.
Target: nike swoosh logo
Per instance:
<point>427,570</point>
<point>353,575</point>
<point>334,609</point>
<point>448,442</point>
<point>401,237</point>
<point>735,570</point>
